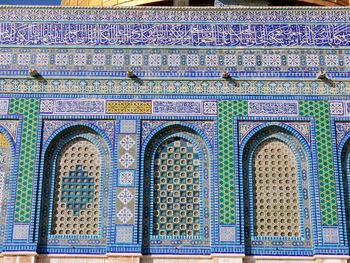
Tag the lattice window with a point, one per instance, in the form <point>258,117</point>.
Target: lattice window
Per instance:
<point>275,190</point>
<point>77,189</point>
<point>176,210</point>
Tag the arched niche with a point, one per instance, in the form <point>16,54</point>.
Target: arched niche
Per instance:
<point>75,189</point>
<point>176,195</point>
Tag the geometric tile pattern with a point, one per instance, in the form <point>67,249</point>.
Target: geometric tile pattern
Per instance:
<point>126,178</point>
<point>336,108</point>
<point>124,234</point>
<point>29,108</point>
<point>128,107</point>
<point>275,179</point>
<point>227,109</point>
<point>124,216</point>
<point>184,87</point>
<point>20,231</point>
<point>76,200</point>
<point>320,111</point>
<point>125,190</point>
<point>173,188</point>
<point>227,234</point>
<point>189,14</point>
<point>81,187</point>
<point>125,205</point>
<point>127,151</point>
<point>4,106</point>
<point>277,182</point>
<point>127,126</point>
<point>127,142</point>
<point>76,186</point>
<point>210,107</point>
<point>125,196</point>
<point>189,63</point>
<point>176,192</point>
<point>330,235</point>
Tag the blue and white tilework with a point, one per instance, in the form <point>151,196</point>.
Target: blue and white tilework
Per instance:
<point>4,106</point>
<point>174,34</point>
<point>170,107</point>
<point>227,234</point>
<point>124,234</point>
<point>273,108</point>
<point>164,62</point>
<point>20,231</point>
<point>72,107</point>
<point>330,235</point>
<point>125,190</point>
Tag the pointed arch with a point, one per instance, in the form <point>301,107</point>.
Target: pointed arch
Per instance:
<point>275,174</point>
<point>75,188</point>
<point>176,190</point>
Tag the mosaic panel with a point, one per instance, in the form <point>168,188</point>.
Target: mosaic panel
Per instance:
<point>179,87</point>
<point>77,190</point>
<point>125,205</point>
<point>174,34</point>
<point>275,196</point>
<point>129,107</point>
<point>176,195</point>
<point>29,108</point>
<point>320,111</point>
<point>227,109</point>
<point>127,152</point>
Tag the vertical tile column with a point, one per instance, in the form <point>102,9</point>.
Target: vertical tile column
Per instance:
<point>125,192</point>
<point>28,108</point>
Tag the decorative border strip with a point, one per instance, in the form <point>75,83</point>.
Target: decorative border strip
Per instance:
<point>176,14</point>
<point>165,34</point>
<point>101,107</point>
<point>168,62</point>
<point>177,87</point>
